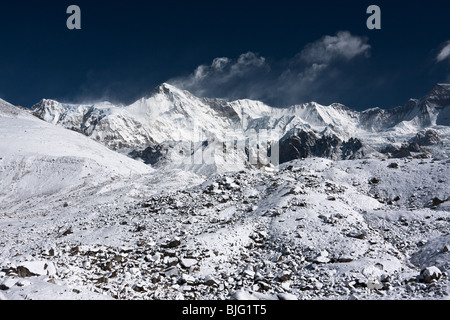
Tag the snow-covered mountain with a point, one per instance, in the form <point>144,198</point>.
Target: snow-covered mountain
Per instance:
<point>169,115</point>
<point>38,158</point>
<point>430,111</point>
<point>81,221</point>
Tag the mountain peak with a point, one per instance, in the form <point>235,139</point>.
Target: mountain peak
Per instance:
<point>445,86</point>
<point>440,89</point>
<point>440,92</point>
<point>166,89</point>
<point>166,86</point>
<point>44,102</point>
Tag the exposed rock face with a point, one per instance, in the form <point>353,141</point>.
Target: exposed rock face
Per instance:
<point>426,138</point>
<point>305,144</point>
<point>151,155</point>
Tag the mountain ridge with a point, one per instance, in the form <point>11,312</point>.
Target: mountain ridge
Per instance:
<point>168,114</point>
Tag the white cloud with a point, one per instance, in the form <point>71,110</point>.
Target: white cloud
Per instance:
<point>312,72</point>
<point>343,45</point>
<point>281,83</point>
<point>445,53</point>
<point>220,78</point>
<point>220,63</point>
<point>251,59</point>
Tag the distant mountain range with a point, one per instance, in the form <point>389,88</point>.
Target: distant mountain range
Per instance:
<point>158,128</point>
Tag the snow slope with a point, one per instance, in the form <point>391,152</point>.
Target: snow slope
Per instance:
<point>38,159</point>
<point>51,177</point>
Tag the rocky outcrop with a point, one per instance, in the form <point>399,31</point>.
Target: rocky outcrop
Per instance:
<point>300,144</point>
<point>428,137</point>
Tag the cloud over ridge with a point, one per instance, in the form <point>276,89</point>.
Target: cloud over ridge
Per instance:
<point>341,46</point>
<point>444,53</point>
<point>281,83</point>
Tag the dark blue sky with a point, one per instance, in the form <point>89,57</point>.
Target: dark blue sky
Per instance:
<point>273,50</point>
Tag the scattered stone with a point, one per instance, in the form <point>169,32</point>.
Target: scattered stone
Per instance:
<point>275,262</point>
<point>8,284</point>
<point>186,279</point>
<point>173,243</point>
<point>153,258</point>
<point>171,261</point>
<point>385,278</point>
<point>345,259</point>
<point>102,280</point>
<point>156,278</point>
<point>139,288</point>
<point>107,266</point>
<point>322,257</point>
<point>318,285</point>
<point>283,276</point>
<point>276,257</point>
<point>427,275</point>
<point>286,296</point>
<point>74,251</point>
<point>65,232</point>
<point>249,273</point>
<point>374,284</point>
<point>170,253</point>
<point>187,263</point>
<point>263,285</point>
<point>23,272</point>
<point>358,234</point>
<point>393,165</point>
<point>171,272</point>
<point>436,201</point>
<point>140,228</point>
<point>210,281</point>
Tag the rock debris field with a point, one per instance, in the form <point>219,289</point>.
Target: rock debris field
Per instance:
<point>313,229</point>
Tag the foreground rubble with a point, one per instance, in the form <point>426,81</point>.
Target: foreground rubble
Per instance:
<point>315,229</point>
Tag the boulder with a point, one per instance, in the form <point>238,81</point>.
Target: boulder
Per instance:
<point>187,263</point>
<point>173,243</point>
<point>358,234</point>
<point>322,257</point>
<point>427,275</point>
<point>284,276</point>
<point>210,280</point>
